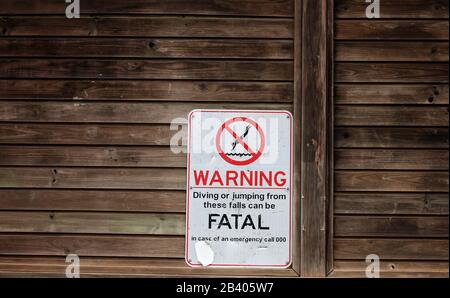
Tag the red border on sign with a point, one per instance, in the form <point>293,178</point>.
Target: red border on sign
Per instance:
<point>188,188</point>
<point>226,127</point>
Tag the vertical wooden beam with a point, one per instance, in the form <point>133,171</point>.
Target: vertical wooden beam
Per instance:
<point>315,92</point>
<point>296,256</point>
<point>330,137</point>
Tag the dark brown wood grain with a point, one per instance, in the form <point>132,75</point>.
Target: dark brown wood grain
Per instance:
<point>391,171</point>
<point>105,178</point>
<point>353,72</point>
<point>92,245</point>
<point>391,30</point>
<point>147,48</point>
<point>391,203</point>
<point>215,7</point>
<point>407,181</point>
<point>54,266</point>
<point>390,226</point>
<point>297,146</point>
<point>84,134</point>
<point>148,26</point>
<point>92,223</point>
<point>93,200</point>
<point>391,137</point>
<point>391,51</point>
<point>391,249</point>
<point>315,91</point>
<point>154,90</point>
<point>392,159</point>
<point>132,196</point>
<point>88,134</point>
<point>146,69</point>
<point>395,9</point>
<point>115,112</point>
<point>362,115</point>
<point>390,269</point>
<point>329,224</point>
<point>391,94</point>
<point>154,156</point>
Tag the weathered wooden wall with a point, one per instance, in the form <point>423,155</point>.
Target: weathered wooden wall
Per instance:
<point>85,165</point>
<point>85,111</point>
<point>391,138</point>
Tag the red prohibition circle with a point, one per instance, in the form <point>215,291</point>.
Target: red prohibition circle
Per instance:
<point>226,127</point>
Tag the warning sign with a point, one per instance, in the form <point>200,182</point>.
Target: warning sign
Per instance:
<point>239,188</point>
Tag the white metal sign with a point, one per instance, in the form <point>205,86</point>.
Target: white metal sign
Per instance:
<point>239,188</point>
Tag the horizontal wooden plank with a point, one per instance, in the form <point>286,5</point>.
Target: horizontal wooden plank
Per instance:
<point>393,159</point>
<point>146,90</point>
<point>395,9</point>
<point>119,267</point>
<point>391,249</point>
<point>391,30</point>
<point>146,69</point>
<point>105,178</point>
<point>147,48</point>
<point>155,156</point>
<point>149,26</point>
<point>388,137</point>
<point>390,94</point>
<point>366,115</point>
<point>282,8</point>
<point>391,203</point>
<point>390,226</point>
<point>353,72</point>
<point>115,112</point>
<point>391,51</point>
<point>92,223</point>
<point>92,200</point>
<point>92,245</point>
<point>88,134</point>
<point>391,181</point>
<point>392,269</point>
